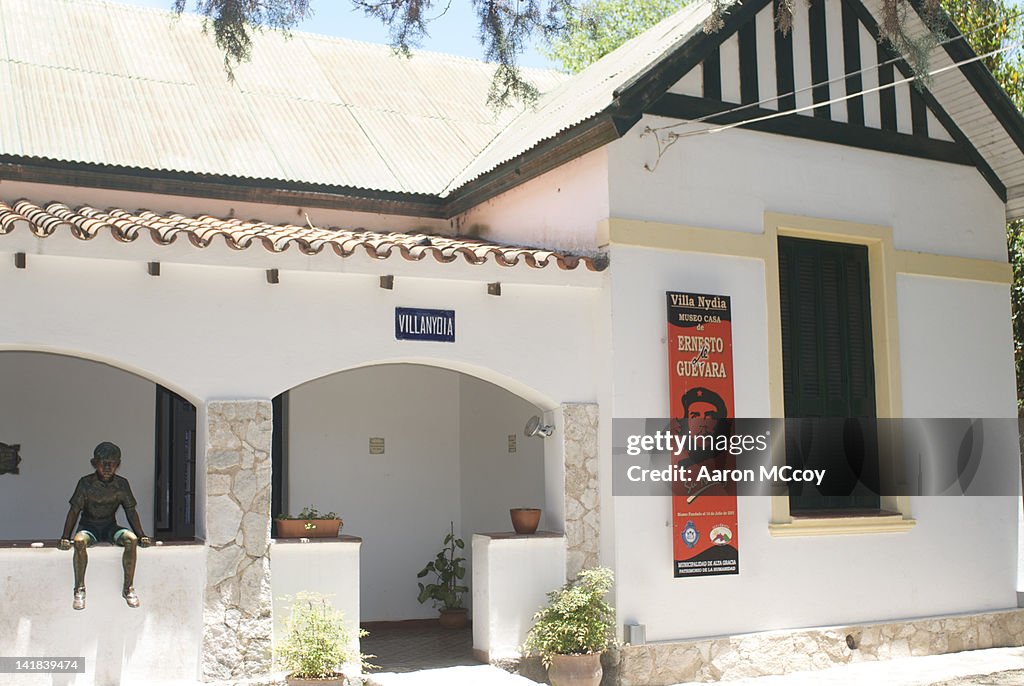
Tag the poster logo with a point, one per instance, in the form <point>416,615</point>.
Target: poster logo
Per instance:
<point>690,535</point>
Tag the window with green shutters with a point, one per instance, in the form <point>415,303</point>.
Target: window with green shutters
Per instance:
<point>828,372</point>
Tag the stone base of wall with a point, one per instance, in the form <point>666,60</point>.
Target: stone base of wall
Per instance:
<point>782,652</point>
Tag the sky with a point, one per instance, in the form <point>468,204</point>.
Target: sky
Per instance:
<point>454,33</point>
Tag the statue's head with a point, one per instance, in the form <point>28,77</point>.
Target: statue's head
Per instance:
<point>106,458</point>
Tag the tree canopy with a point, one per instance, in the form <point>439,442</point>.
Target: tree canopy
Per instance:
<point>599,26</point>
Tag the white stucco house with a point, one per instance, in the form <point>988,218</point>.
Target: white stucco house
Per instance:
<point>212,275</point>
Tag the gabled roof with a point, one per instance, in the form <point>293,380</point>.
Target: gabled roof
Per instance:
<point>125,89</point>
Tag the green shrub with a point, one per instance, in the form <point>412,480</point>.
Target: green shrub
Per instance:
<point>577,620</point>
<point>316,645</point>
<point>449,569</point>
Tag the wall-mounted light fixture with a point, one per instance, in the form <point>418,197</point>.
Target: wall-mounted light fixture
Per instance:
<point>19,260</point>
<point>273,276</point>
<point>154,268</point>
<point>387,281</point>
<point>494,288</point>
<point>534,427</point>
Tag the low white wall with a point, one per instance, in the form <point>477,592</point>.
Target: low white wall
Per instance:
<point>59,409</point>
<point>158,642</point>
<point>329,568</point>
<point>511,579</point>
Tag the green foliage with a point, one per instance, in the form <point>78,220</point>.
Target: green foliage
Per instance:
<point>310,513</point>
<point>445,592</point>
<point>316,645</point>
<point>577,620</point>
<point>987,27</point>
<point>596,27</point>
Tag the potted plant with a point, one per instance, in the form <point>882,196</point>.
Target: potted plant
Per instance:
<point>574,629</point>
<point>525,520</point>
<point>317,646</point>
<point>446,591</point>
<point>310,523</point>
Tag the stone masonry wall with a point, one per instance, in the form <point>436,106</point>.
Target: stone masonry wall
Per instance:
<point>237,622</point>
<point>782,652</point>
<point>582,504</point>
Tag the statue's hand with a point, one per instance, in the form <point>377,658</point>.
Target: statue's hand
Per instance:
<point>145,542</point>
<point>64,544</point>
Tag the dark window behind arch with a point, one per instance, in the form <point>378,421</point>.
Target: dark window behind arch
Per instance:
<point>175,469</point>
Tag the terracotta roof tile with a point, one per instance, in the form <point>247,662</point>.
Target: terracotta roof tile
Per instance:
<point>85,223</point>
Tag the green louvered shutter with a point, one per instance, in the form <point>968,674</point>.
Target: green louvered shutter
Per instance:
<point>828,369</point>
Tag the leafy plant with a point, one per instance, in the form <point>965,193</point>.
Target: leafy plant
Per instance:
<point>310,513</point>
<point>577,620</point>
<point>448,570</point>
<point>317,642</point>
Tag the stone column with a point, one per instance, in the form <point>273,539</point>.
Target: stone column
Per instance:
<point>582,504</point>
<point>237,623</point>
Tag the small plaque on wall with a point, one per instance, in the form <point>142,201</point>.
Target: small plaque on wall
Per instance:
<point>376,446</point>
<point>9,458</point>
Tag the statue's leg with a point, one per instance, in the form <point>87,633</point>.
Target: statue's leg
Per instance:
<point>81,561</point>
<point>130,543</point>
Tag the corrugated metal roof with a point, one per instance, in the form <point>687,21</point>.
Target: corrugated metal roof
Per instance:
<point>100,83</point>
<point>587,93</point>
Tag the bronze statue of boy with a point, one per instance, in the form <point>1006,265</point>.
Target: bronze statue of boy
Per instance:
<point>96,499</point>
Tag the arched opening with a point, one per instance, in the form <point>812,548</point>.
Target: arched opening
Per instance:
<point>402,452</point>
<point>57,409</point>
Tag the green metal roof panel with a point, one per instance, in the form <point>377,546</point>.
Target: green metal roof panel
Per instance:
<point>99,83</point>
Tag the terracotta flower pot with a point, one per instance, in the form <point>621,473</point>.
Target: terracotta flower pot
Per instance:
<point>318,528</point>
<point>456,618</point>
<point>575,670</point>
<point>337,680</point>
<point>525,519</point>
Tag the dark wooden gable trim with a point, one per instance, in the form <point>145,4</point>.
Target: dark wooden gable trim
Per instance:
<point>820,126</point>
<point>981,79</point>
<point>641,91</point>
<point>940,113</point>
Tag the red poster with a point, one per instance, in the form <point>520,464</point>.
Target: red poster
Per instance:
<point>701,402</point>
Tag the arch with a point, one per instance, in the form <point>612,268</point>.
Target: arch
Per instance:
<point>507,383</point>
<point>109,362</point>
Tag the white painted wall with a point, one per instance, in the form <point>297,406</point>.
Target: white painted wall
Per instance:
<point>330,569</point>
<point>493,479</point>
<point>510,583</point>
<point>559,210</point>
<point>59,409</point>
<point>728,181</point>
<point>215,332</point>
<point>446,459</point>
<point>158,642</point>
